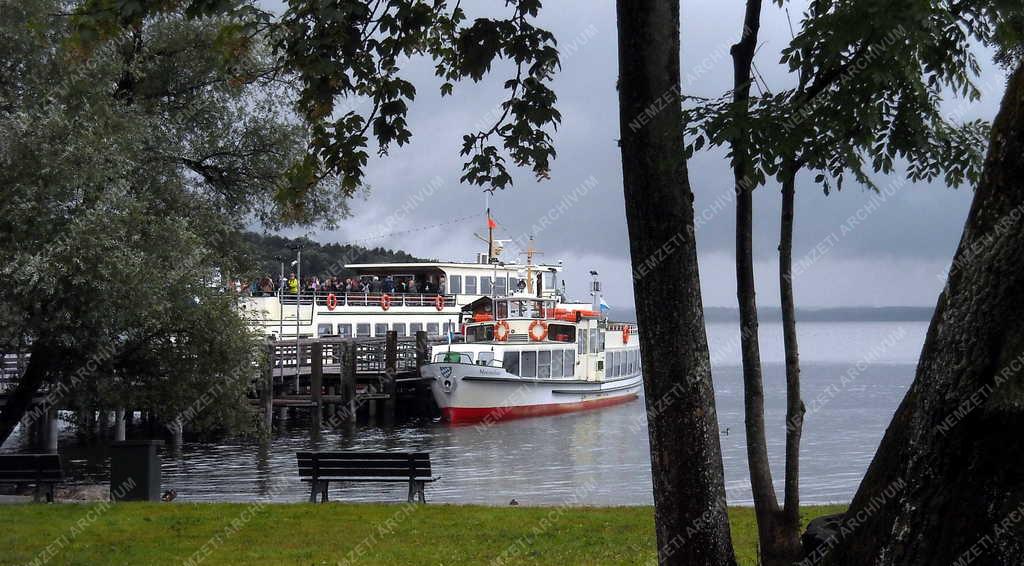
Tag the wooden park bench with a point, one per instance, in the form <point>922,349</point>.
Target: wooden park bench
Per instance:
<point>42,470</point>
<point>321,468</point>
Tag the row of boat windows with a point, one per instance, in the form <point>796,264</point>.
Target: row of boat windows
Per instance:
<point>455,285</point>
<point>363,330</point>
<point>540,364</point>
<point>619,363</point>
<point>474,285</point>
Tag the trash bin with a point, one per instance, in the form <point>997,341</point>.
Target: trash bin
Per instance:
<point>135,470</point>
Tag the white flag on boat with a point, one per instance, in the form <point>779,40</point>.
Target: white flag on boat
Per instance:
<point>604,306</point>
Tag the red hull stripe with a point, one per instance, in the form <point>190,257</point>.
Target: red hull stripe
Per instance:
<point>494,414</point>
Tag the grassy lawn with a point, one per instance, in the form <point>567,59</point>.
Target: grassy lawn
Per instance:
<point>177,533</point>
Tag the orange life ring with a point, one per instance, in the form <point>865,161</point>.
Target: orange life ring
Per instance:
<point>543,330</point>
<point>501,331</point>
<point>385,302</point>
<point>439,303</point>
<point>332,301</point>
<point>625,334</point>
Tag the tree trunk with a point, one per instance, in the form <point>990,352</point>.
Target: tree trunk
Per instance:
<point>794,405</point>
<point>686,461</point>
<point>19,400</point>
<point>779,546</point>
<point>947,483</point>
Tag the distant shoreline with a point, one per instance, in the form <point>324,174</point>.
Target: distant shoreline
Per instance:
<point>837,314</point>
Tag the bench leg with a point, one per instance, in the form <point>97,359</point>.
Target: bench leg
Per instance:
<point>420,485</point>
<point>412,491</point>
<point>314,485</point>
<point>49,493</point>
<point>323,491</point>
<point>37,493</point>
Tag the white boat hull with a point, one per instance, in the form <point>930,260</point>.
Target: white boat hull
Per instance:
<point>476,393</point>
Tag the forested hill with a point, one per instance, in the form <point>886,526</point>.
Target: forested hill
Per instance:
<point>317,259</point>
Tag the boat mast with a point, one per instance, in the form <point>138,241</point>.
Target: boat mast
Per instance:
<point>529,253</point>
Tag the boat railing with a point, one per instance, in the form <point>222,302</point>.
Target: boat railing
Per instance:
<point>339,299</point>
<point>619,326</point>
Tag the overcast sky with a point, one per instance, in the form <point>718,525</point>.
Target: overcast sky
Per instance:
<point>895,255</point>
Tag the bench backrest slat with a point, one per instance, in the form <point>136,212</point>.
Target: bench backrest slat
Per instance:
<point>363,464</point>
<point>30,467</point>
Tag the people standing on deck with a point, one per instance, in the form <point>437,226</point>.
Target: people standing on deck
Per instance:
<point>375,285</point>
<point>389,285</point>
<point>267,285</point>
<point>293,284</point>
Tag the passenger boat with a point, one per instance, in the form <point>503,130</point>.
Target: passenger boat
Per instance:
<point>526,356</point>
<point>451,286</point>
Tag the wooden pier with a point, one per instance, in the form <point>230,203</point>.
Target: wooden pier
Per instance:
<point>337,378</point>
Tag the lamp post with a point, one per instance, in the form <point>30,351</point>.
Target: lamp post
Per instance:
<point>298,305</point>
<point>280,301</point>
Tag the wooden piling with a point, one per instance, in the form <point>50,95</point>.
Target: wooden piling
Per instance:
<point>422,349</point>
<point>390,373</point>
<point>348,379</point>
<point>316,379</point>
<point>119,425</point>
<point>267,391</point>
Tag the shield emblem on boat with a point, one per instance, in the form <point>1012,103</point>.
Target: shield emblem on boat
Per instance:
<point>446,372</point>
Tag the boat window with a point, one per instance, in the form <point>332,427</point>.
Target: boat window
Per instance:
<point>562,332</point>
<point>516,309</point>
<point>453,358</point>
<point>610,364</point>
<point>510,361</point>
<point>502,308</point>
<point>581,343</point>
<point>569,365</point>
<point>631,363</point>
<point>593,341</point>
<point>622,363</point>
<point>455,284</point>
<point>415,327</point>
<point>549,281</point>
<point>363,330</point>
<point>600,340</point>
<point>447,327</point>
<point>499,286</point>
<point>557,359</point>
<point>480,333</point>
<point>471,284</point>
<point>345,330</point>
<point>513,284</point>
<point>433,329</point>
<point>380,329</point>
<point>485,358</point>
<point>324,329</point>
<point>399,328</point>
<point>528,364</point>
<point>485,285</point>
<point>544,364</point>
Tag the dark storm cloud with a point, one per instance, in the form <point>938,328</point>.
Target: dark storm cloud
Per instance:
<point>578,214</point>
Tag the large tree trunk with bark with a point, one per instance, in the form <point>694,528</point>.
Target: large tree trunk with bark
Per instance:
<point>686,461</point>
<point>779,545</point>
<point>947,483</point>
<point>20,399</point>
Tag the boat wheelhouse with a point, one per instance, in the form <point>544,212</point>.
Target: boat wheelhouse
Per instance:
<point>527,356</point>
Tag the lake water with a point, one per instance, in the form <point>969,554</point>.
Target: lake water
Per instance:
<point>854,376</point>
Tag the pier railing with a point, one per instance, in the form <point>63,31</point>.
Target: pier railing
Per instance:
<point>11,368</point>
<point>371,354</point>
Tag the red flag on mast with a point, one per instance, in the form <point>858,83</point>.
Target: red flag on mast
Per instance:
<point>491,223</point>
